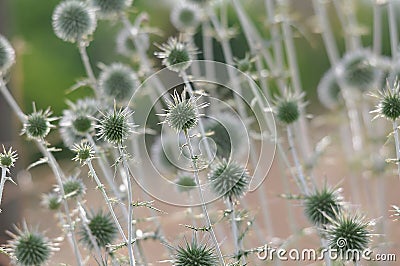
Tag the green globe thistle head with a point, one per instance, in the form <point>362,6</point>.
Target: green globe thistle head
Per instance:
<point>245,64</point>
<point>51,201</point>
<point>73,187</point>
<point>73,20</point>
<point>29,247</point>
<point>182,113</point>
<point>195,253</point>
<point>124,44</point>
<point>185,183</point>
<point>8,158</point>
<point>38,124</point>
<point>389,102</point>
<point>110,8</point>
<point>84,152</point>
<point>229,179</point>
<point>185,17</point>
<point>7,55</point>
<point>349,232</point>
<point>329,92</point>
<point>114,127</point>
<point>102,228</point>
<point>78,120</point>
<point>118,82</point>
<point>287,107</point>
<point>322,206</point>
<point>200,2</point>
<point>176,55</point>
<point>359,70</point>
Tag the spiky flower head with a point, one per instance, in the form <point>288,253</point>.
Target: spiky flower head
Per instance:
<point>73,187</point>
<point>84,152</point>
<point>29,247</point>
<point>182,113</point>
<point>102,228</point>
<point>114,127</point>
<point>176,55</point>
<point>38,124</point>
<point>245,64</point>
<point>51,201</point>
<point>195,253</point>
<point>73,20</point>
<point>359,70</point>
<point>8,158</point>
<point>185,17</point>
<point>329,93</point>
<point>287,107</point>
<point>229,179</point>
<point>185,183</point>
<point>322,206</point>
<point>110,8</point>
<point>78,120</point>
<point>118,82</point>
<point>126,47</point>
<point>389,102</point>
<point>201,2</point>
<point>349,232</point>
<point>7,55</point>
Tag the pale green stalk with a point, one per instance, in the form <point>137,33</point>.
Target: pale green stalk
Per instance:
<point>235,230</point>
<point>88,68</point>
<point>2,182</point>
<point>377,31</point>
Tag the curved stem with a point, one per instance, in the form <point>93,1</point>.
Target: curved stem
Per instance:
<point>203,204</point>
<point>87,65</point>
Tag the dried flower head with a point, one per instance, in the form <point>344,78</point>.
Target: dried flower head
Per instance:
<point>287,107</point>
<point>118,82</point>
<point>110,8</point>
<point>38,124</point>
<point>114,127</point>
<point>389,102</point>
<point>51,201</point>
<point>29,247</point>
<point>182,113</point>
<point>322,206</point>
<point>8,158</point>
<point>73,20</point>
<point>83,152</point>
<point>229,179</point>
<point>176,55</point>
<point>195,253</point>
<point>7,55</point>
<point>102,228</point>
<point>185,17</point>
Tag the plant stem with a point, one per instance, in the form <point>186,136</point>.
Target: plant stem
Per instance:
<point>88,68</point>
<point>397,144</point>
<point>2,182</point>
<point>377,32</point>
<point>203,204</point>
<point>235,230</point>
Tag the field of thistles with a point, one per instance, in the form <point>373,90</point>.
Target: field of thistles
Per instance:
<point>199,132</point>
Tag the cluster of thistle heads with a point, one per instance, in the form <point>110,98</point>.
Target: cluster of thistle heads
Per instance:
<point>93,127</point>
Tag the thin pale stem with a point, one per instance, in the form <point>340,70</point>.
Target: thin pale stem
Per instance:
<point>203,204</point>
<point>393,29</point>
<point>235,230</point>
<point>377,31</point>
<point>397,144</point>
<point>88,67</point>
<point>2,182</point>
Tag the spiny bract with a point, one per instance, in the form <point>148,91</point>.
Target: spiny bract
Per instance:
<point>38,124</point>
<point>185,17</point>
<point>287,107</point>
<point>8,158</point>
<point>195,254</point>
<point>114,127</point>
<point>177,55</point>
<point>73,187</point>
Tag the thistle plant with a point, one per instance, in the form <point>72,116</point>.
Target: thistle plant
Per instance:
<point>195,253</point>
<point>185,17</point>
<point>7,160</point>
<point>73,187</point>
<point>7,55</point>
<point>38,124</point>
<point>114,127</point>
<point>109,8</point>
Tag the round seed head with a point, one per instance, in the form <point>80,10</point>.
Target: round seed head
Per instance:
<point>176,55</point>
<point>287,107</point>
<point>83,152</point>
<point>73,20</point>
<point>229,179</point>
<point>82,124</point>
<point>245,64</point>
<point>349,232</point>
<point>109,8</point>
<point>322,206</point>
<point>195,254</point>
<point>102,228</point>
<point>114,127</point>
<point>118,82</point>
<point>126,47</point>
<point>73,187</point>
<point>7,55</point>
<point>182,114</point>
<point>51,201</point>
<point>38,124</point>
<point>185,17</point>
<point>389,102</point>
<point>185,183</point>
<point>329,93</point>
<point>8,158</point>
<point>29,247</point>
